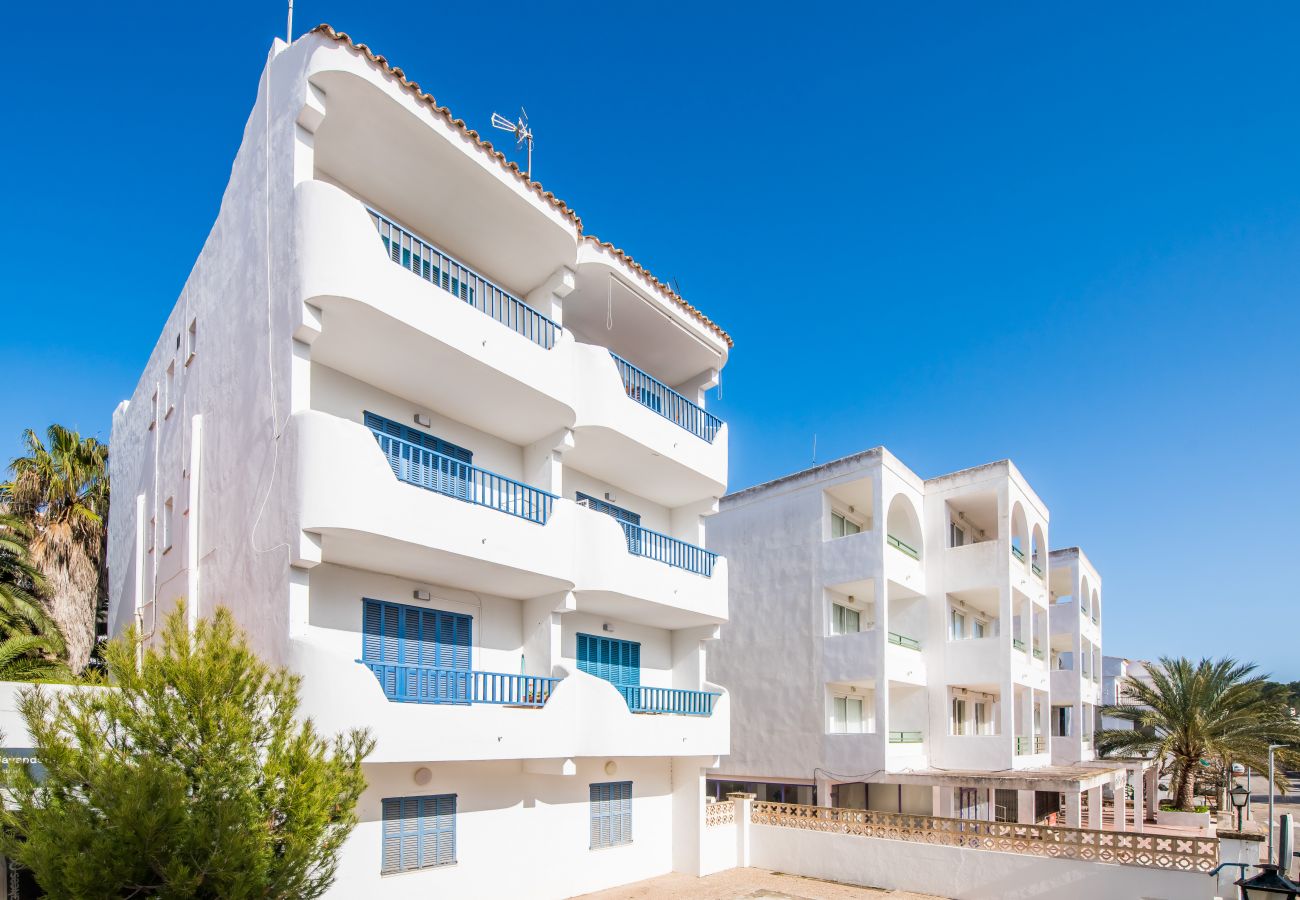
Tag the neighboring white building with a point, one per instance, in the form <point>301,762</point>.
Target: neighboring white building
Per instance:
<point>926,643</point>
<point>1115,669</point>
<point>445,456</point>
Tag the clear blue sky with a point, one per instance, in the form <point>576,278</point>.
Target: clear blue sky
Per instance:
<point>1070,237</point>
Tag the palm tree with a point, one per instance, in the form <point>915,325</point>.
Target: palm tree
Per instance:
<point>1209,710</point>
<point>60,492</point>
<point>30,643</point>
<point>26,657</point>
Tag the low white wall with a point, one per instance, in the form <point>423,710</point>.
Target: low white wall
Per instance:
<point>960,873</point>
<point>718,847</point>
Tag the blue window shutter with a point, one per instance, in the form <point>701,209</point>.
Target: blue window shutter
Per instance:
<point>417,437</point>
<point>609,509</point>
<point>409,642</point>
<point>372,641</point>
<point>391,645</point>
<point>445,829</point>
<point>616,661</point>
<point>392,846</point>
<point>611,814</point>
<point>410,833</point>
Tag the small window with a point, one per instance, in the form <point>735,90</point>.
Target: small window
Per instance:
<point>169,395</point>
<point>846,716</point>
<point>192,341</point>
<point>958,716</point>
<point>977,628</point>
<point>957,534</point>
<point>168,508</point>
<point>611,814</point>
<point>956,625</point>
<point>843,526</point>
<point>844,620</point>
<point>981,718</point>
<point>419,832</point>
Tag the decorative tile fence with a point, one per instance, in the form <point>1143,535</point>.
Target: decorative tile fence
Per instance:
<point>723,812</point>
<point>1180,854</point>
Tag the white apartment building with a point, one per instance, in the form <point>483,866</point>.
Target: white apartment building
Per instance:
<point>910,645</point>
<point>445,456</point>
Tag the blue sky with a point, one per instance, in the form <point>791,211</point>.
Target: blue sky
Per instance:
<point>966,232</point>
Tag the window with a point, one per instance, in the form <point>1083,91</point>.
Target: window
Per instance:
<point>153,412</point>
<point>846,716</point>
<point>192,346</point>
<point>618,662</point>
<point>956,625</point>
<point>843,526</point>
<point>958,716</point>
<point>1061,721</point>
<point>611,814</point>
<point>981,718</point>
<point>169,399</point>
<point>977,628</point>
<point>167,524</point>
<point>956,535</point>
<point>401,644</point>
<point>844,620</point>
<point>419,832</point>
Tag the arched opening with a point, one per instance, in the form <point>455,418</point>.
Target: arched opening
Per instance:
<point>1038,553</point>
<point>903,527</point>
<point>1096,606</point>
<point>1019,534</point>
<point>1085,598</point>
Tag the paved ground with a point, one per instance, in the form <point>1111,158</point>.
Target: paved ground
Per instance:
<point>747,884</point>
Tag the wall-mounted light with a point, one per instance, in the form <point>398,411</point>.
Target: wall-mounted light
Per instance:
<point>423,420</point>
<point>424,596</point>
<point>607,627</point>
<point>611,496</point>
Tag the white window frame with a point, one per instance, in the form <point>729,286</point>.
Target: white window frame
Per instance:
<point>841,611</point>
<point>957,715</point>
<point>956,535</point>
<point>846,519</point>
<point>956,624</point>
<point>839,723</point>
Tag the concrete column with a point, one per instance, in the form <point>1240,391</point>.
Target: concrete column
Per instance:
<point>1025,803</point>
<point>1121,808</point>
<point>823,792</point>
<point>991,806</point>
<point>1153,783</point>
<point>946,804</point>
<point>1073,815</point>
<point>1094,808</point>
<point>1139,800</point>
<point>744,805</point>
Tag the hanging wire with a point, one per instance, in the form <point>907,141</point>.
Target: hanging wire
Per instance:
<point>609,304</point>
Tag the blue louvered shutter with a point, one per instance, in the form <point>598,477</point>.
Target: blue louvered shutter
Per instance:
<point>600,824</point>
<point>616,661</point>
<point>392,843</point>
<point>630,521</point>
<point>417,437</point>
<point>444,829</point>
<point>621,812</point>
<point>410,648</point>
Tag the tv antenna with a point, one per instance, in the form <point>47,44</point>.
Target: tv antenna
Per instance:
<point>523,134</point>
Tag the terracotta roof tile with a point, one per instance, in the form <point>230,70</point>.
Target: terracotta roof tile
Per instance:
<point>536,187</point>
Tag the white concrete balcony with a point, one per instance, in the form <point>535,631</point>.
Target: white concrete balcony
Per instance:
<point>852,657</point>
<point>904,661</point>
<point>861,752</point>
<point>852,558</point>
<point>906,749</point>
<point>1072,748</point>
<point>972,567</point>
<point>389,309</point>
<point>578,715</point>
<point>977,752</point>
<point>903,564</point>
<point>1028,669</point>
<point>976,660</point>
<point>503,538</point>
<point>634,574</point>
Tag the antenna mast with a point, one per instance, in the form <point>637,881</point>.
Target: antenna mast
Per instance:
<point>289,29</point>
<point>523,134</point>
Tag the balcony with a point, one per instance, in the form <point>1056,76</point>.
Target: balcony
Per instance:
<point>428,684</point>
<point>1024,745</point>
<point>670,551</point>
<point>1038,652</point>
<point>1018,644</point>
<point>1017,553</point>
<point>1037,569</point>
<point>903,641</point>
<point>902,547</point>
<point>906,737</point>
<point>416,517</point>
<point>443,475</point>
<point>417,255</point>
<point>657,396</point>
<point>667,701</point>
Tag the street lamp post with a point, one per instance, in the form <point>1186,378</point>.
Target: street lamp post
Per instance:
<point>1272,789</point>
<point>1240,796</point>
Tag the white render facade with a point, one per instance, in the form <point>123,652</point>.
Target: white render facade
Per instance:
<point>927,642</point>
<point>445,457</point>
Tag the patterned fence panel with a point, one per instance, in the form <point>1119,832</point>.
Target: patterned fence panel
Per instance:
<point>1159,851</point>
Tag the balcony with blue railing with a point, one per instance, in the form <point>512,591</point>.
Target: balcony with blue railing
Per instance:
<point>421,258</point>
<point>428,684</point>
<point>442,474</point>
<point>657,396</point>
<point>671,551</point>
<point>667,701</point>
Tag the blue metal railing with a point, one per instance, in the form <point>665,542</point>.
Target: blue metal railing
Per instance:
<point>669,701</point>
<point>642,541</point>
<point>419,256</point>
<point>436,472</point>
<point>427,684</point>
<point>654,394</point>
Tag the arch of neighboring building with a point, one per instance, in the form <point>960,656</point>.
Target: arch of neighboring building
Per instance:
<point>1019,534</point>
<point>1038,549</point>
<point>904,525</point>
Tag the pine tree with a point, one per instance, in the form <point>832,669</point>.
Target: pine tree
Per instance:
<point>189,777</point>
